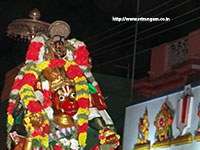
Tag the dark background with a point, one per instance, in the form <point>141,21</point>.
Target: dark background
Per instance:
<point>110,43</point>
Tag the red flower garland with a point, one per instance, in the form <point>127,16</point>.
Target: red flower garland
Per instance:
<point>33,51</point>
<point>57,147</point>
<point>10,107</point>
<point>28,78</point>
<point>47,100</point>
<point>83,128</point>
<point>81,56</point>
<point>74,71</point>
<point>34,107</point>
<point>83,102</point>
<point>37,132</point>
<point>56,63</point>
<point>46,129</point>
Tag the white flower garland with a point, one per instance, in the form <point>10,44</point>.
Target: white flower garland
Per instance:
<point>76,43</point>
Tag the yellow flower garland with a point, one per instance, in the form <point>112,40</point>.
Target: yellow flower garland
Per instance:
<point>26,93</point>
<point>40,67</point>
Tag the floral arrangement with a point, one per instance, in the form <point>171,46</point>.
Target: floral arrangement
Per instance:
<point>81,56</point>
<point>104,135</point>
<point>24,86</point>
<point>77,67</point>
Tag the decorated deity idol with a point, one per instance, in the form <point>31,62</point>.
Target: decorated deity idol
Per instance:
<point>143,133</point>
<point>163,124</point>
<point>55,98</point>
<point>143,129</point>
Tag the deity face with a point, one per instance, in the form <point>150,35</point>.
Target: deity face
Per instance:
<point>59,49</point>
<point>64,100</point>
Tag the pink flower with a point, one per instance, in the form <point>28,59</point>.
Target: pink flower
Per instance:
<point>101,137</point>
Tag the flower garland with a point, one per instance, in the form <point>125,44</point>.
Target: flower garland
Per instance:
<point>12,102</point>
<point>36,49</point>
<point>47,100</point>
<point>104,134</point>
<point>76,68</point>
<point>25,89</point>
<point>75,73</point>
<point>81,57</point>
<point>26,92</point>
<point>72,144</point>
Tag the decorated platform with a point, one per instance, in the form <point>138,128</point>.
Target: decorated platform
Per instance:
<point>173,121</point>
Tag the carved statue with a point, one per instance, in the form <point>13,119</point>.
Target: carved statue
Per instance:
<point>143,129</point>
<point>163,124</point>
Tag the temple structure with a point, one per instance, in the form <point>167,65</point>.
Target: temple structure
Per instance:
<point>173,65</point>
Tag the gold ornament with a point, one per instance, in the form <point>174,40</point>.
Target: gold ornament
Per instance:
<point>36,119</point>
<point>162,122</point>
<point>62,120</point>
<point>28,143</point>
<point>39,85</point>
<point>57,78</point>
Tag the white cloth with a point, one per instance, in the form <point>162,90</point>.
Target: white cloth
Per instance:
<point>94,112</point>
